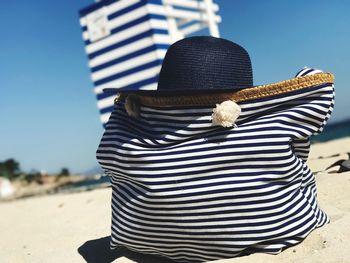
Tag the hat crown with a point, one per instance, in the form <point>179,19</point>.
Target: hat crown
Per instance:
<point>205,63</point>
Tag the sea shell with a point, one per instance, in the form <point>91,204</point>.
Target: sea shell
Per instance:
<point>226,113</point>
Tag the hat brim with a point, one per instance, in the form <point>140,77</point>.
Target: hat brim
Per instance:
<point>161,93</point>
<point>253,90</point>
<point>158,99</point>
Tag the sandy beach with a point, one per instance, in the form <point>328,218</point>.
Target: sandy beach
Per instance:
<point>75,227</point>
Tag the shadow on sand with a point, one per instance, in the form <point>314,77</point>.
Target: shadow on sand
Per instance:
<point>98,251</point>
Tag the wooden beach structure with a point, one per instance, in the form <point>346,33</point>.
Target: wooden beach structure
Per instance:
<point>126,40</point>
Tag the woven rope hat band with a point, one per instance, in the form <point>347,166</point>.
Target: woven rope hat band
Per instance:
<point>200,64</point>
<point>257,92</point>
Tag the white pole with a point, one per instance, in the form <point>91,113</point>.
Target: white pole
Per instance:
<point>174,32</point>
<point>213,27</point>
<point>191,4</point>
<point>191,15</point>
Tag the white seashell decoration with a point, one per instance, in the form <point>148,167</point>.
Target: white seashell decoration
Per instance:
<point>226,113</point>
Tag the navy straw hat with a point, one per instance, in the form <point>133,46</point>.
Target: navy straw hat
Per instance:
<point>201,64</point>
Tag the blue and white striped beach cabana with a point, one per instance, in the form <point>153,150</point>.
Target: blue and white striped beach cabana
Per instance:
<point>126,40</point>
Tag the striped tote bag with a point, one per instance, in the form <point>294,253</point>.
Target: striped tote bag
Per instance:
<point>192,191</point>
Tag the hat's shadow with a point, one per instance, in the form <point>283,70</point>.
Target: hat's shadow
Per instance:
<point>98,251</point>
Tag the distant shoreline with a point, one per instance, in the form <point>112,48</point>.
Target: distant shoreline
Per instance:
<point>333,131</point>
<point>56,185</point>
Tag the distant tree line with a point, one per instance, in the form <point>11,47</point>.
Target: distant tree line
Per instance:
<point>11,170</point>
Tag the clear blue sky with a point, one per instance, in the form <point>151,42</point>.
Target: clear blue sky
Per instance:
<point>48,113</point>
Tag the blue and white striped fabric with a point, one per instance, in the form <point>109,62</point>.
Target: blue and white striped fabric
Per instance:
<point>194,192</point>
<point>132,52</point>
